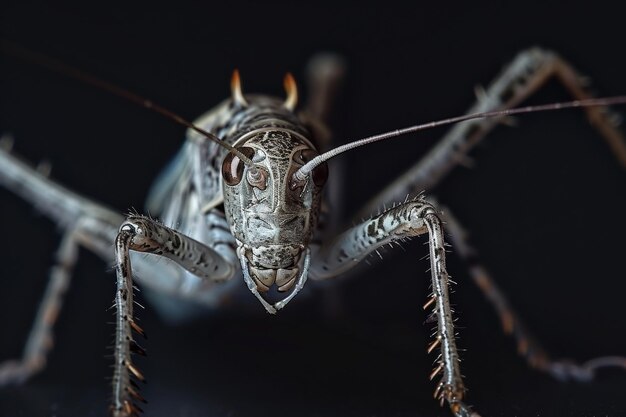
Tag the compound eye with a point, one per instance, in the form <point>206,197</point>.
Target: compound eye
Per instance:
<point>320,173</point>
<point>232,167</point>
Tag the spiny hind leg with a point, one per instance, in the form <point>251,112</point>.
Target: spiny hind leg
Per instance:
<point>88,232</point>
<point>84,223</point>
<point>325,72</point>
<point>526,74</point>
<point>40,339</point>
<point>527,346</point>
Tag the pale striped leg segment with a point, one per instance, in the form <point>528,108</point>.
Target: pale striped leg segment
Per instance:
<point>142,234</point>
<point>40,339</point>
<point>526,74</point>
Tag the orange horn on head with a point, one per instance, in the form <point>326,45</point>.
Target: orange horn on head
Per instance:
<point>292,92</point>
<point>235,88</point>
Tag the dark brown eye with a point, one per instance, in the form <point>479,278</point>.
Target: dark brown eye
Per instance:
<point>320,173</point>
<point>232,167</point>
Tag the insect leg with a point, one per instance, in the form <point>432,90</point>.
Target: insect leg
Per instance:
<point>58,203</point>
<point>95,227</point>
<point>40,339</point>
<point>527,346</point>
<point>521,78</point>
<point>324,77</point>
<point>86,232</point>
<point>325,73</point>
<point>406,220</point>
<point>85,223</point>
<point>142,234</point>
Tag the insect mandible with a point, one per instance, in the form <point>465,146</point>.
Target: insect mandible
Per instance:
<point>245,194</point>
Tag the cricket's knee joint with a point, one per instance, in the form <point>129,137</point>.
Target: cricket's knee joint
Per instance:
<point>135,229</point>
<point>14,372</point>
<point>567,371</point>
<point>423,209</point>
<point>135,225</point>
<point>128,228</point>
<point>538,53</point>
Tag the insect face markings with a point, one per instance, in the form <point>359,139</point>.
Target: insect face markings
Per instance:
<point>272,220</point>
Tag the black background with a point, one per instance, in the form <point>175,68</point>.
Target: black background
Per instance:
<point>545,205</point>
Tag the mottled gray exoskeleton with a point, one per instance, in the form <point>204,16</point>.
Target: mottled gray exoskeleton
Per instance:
<point>244,195</point>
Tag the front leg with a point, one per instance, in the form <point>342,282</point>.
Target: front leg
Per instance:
<point>404,221</point>
<point>142,234</point>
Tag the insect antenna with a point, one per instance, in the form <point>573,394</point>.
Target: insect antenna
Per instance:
<point>302,173</point>
<point>59,67</point>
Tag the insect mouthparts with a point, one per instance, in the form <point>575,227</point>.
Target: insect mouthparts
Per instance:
<point>260,279</point>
